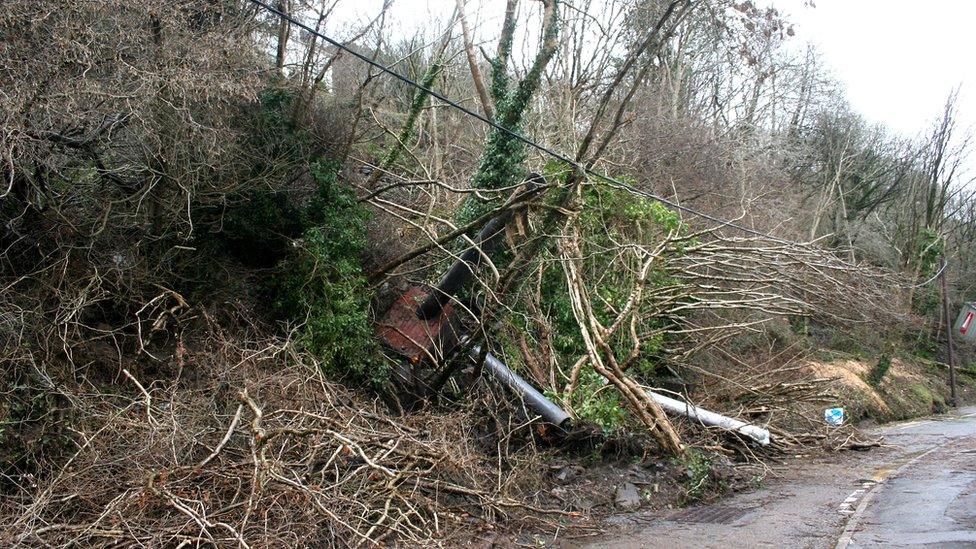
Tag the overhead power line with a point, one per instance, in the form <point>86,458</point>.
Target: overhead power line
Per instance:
<point>936,275</point>
<point>539,147</point>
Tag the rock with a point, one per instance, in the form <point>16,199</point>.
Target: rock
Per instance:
<point>569,472</point>
<point>627,496</point>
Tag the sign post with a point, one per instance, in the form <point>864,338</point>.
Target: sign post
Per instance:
<point>949,332</point>
<point>965,327</point>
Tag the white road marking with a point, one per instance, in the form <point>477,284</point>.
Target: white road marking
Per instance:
<point>847,506</point>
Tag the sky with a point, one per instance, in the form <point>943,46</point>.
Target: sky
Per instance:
<point>897,59</point>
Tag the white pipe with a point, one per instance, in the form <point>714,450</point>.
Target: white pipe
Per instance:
<point>758,434</point>
<point>533,398</point>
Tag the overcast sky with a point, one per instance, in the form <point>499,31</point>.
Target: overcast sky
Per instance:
<point>898,59</point>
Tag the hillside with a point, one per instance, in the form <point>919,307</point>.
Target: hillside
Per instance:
<point>260,265</point>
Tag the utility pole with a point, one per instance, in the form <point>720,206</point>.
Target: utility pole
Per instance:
<point>948,331</point>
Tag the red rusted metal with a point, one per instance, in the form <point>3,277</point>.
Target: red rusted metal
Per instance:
<point>416,339</point>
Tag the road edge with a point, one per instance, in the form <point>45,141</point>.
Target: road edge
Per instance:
<point>854,520</point>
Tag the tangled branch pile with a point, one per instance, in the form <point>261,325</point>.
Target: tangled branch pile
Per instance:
<point>629,290</point>
<point>261,450</point>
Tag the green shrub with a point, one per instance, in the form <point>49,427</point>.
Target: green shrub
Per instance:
<point>927,348</point>
<point>598,403</point>
<point>261,219</point>
<point>255,223</point>
<point>321,283</point>
<point>698,477</point>
<point>609,215</point>
<point>259,229</point>
<point>879,370</point>
<point>312,250</point>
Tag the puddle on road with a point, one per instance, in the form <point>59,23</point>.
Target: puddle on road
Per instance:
<point>883,472</point>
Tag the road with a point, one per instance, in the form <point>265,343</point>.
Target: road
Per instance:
<point>920,490</point>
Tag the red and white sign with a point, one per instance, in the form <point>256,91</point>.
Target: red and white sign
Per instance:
<point>966,323</point>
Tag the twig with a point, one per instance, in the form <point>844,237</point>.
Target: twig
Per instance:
<point>227,435</point>
<point>145,393</point>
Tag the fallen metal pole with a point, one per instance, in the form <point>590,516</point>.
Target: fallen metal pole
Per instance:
<point>712,419</point>
<point>489,239</point>
<point>533,398</point>
<point>462,272</point>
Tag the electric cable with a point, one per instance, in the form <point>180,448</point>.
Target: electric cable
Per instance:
<point>936,275</point>
<point>525,140</point>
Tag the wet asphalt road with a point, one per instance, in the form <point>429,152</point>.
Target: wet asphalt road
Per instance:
<point>932,500</point>
<point>918,491</point>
